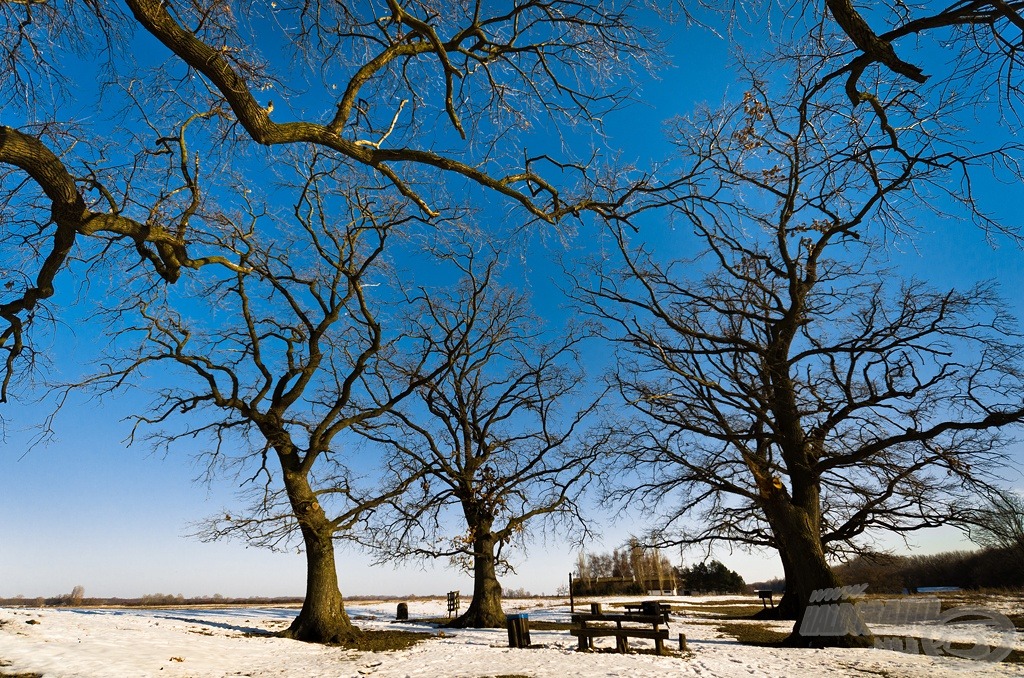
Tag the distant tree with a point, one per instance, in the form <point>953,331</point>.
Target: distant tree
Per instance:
<point>712,576</point>
<point>77,595</point>
<point>1000,524</point>
<point>635,568</point>
<point>497,436</point>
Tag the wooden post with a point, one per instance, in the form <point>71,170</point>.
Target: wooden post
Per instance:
<point>572,603</point>
<point>682,643</point>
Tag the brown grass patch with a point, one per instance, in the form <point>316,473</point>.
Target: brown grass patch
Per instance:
<point>440,622</point>
<point>753,634</point>
<point>27,674</point>
<point>722,610</point>
<point>386,641</point>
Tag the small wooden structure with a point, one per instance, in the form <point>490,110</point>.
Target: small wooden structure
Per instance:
<point>766,597</point>
<point>586,627</point>
<point>453,603</point>
<point>649,607</point>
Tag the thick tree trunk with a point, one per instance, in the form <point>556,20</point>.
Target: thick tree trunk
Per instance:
<point>807,571</point>
<point>484,610</point>
<point>322,618</point>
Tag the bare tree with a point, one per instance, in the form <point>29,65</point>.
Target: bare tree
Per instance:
<point>790,392</point>
<point>1000,524</point>
<point>422,98</point>
<point>496,437</point>
<point>272,365</point>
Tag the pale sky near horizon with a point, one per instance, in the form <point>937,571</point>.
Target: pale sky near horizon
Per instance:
<point>86,510</point>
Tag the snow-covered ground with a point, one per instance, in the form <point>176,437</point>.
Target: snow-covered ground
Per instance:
<point>217,642</point>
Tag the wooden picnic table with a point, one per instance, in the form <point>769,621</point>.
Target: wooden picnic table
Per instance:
<point>587,626</point>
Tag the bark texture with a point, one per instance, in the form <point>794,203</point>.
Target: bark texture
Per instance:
<point>323,618</point>
<point>484,611</point>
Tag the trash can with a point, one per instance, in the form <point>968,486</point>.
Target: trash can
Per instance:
<point>518,629</point>
<point>403,612</point>
<point>651,607</point>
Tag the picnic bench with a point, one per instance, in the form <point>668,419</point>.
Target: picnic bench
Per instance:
<point>587,626</point>
<point>766,597</point>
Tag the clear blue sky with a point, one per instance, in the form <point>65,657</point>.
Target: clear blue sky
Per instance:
<point>86,510</point>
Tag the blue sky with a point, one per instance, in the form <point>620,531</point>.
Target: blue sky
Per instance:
<point>85,509</point>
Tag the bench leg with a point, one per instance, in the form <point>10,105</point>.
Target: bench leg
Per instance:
<point>584,643</point>
<point>622,644</point>
<point>659,647</point>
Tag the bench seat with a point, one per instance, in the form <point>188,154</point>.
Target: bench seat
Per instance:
<point>592,631</point>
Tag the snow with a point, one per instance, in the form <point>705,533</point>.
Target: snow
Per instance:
<point>217,642</point>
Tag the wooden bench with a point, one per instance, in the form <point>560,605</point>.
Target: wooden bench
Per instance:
<point>585,629</point>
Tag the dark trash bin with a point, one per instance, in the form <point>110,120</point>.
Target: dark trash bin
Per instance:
<point>518,629</point>
<point>403,612</point>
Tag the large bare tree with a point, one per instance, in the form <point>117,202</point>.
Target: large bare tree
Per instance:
<point>499,440</point>
<point>790,391</point>
<point>271,365</point>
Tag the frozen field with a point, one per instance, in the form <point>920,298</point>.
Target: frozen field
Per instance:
<point>217,642</point>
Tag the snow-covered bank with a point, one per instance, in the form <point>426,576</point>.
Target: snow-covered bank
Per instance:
<point>214,642</point>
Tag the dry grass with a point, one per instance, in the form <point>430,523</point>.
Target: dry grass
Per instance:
<point>5,674</point>
<point>721,609</point>
<point>387,641</point>
<point>753,634</point>
<point>441,622</point>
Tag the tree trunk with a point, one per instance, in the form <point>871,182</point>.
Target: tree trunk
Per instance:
<point>484,611</point>
<point>322,618</point>
<point>807,571</point>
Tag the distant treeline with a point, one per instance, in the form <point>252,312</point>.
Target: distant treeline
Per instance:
<point>883,573</point>
<point>636,569</point>
<point>77,599</point>
<point>988,568</point>
<point>166,599</point>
